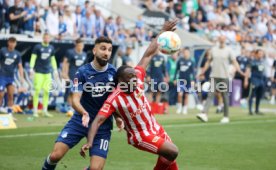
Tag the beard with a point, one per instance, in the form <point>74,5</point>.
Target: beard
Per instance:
<point>101,61</point>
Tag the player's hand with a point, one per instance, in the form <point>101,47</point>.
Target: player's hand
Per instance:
<point>120,123</point>
<point>56,77</point>
<point>32,74</point>
<point>84,148</point>
<point>175,82</point>
<point>85,119</point>
<point>170,25</point>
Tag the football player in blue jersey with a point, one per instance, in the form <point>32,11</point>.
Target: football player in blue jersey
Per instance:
<point>90,90</point>
<point>255,70</point>
<point>73,59</point>
<point>42,64</point>
<point>185,74</point>
<point>10,59</point>
<point>157,76</point>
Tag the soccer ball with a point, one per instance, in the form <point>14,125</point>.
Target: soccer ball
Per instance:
<point>169,42</point>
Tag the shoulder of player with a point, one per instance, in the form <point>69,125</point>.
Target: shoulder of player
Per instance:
<point>113,96</point>
<point>112,68</point>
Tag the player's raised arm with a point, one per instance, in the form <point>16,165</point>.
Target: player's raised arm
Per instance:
<point>153,47</point>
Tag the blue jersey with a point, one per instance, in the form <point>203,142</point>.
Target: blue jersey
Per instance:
<point>243,62</point>
<point>257,72</point>
<point>94,86</point>
<point>185,69</point>
<point>43,60</point>
<point>29,24</point>
<point>75,60</point>
<point>157,68</point>
<point>9,60</point>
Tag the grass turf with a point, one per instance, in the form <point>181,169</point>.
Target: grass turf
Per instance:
<point>247,143</point>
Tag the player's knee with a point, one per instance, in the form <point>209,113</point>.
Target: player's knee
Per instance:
<point>96,167</point>
<point>56,156</point>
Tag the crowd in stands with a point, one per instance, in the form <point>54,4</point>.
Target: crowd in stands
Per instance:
<point>249,24</point>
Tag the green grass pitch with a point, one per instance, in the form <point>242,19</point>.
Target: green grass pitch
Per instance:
<point>247,143</point>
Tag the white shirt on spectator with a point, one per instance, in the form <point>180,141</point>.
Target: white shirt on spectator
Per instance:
<point>70,22</point>
<point>52,22</point>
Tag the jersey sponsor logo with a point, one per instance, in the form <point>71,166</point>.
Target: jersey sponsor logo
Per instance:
<point>139,111</point>
<point>184,68</point>
<point>90,77</point>
<point>155,139</point>
<point>44,56</point>
<point>9,61</point>
<point>79,62</point>
<point>105,108</point>
<point>99,91</point>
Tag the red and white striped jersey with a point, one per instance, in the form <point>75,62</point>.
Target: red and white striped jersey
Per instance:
<point>134,109</point>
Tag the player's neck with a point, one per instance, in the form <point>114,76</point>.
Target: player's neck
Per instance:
<point>45,44</point>
<point>97,66</point>
<point>78,51</point>
<point>10,49</point>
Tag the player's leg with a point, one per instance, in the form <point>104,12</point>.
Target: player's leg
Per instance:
<point>186,101</point>
<point>252,92</point>
<point>259,94</point>
<point>38,80</point>
<point>60,149</point>
<point>179,102</point>
<point>98,152</point>
<point>10,92</point>
<point>273,93</point>
<point>70,136</point>
<point>47,84</point>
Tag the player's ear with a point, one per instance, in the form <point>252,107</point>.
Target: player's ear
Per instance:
<point>94,50</point>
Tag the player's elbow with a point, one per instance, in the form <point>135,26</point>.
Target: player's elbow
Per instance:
<point>173,153</point>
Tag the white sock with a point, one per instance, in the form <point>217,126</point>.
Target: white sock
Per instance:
<point>179,106</point>
<point>35,109</point>
<point>45,110</point>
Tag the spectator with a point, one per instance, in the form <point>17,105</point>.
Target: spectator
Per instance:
<point>86,7</point>
<point>188,6</point>
<point>109,29</point>
<point>29,19</point>
<point>62,26</point>
<point>98,24</point>
<point>78,19</point>
<point>70,21</point>
<point>16,16</point>
<point>139,23</point>
<point>119,23</point>
<point>52,20</point>
<point>126,58</point>
<point>87,24</point>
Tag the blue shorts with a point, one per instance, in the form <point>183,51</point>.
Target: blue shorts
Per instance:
<point>5,81</point>
<point>73,132</point>
<point>184,87</point>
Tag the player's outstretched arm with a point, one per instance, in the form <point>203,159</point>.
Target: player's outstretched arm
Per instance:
<point>153,47</point>
<point>98,121</point>
<point>79,108</point>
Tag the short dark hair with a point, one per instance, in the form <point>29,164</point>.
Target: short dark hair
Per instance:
<point>119,73</point>
<point>103,39</point>
<point>78,40</point>
<point>12,39</point>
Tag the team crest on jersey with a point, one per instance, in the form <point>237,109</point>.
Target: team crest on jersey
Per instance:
<point>15,56</point>
<point>105,108</point>
<point>110,77</point>
<point>155,139</point>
